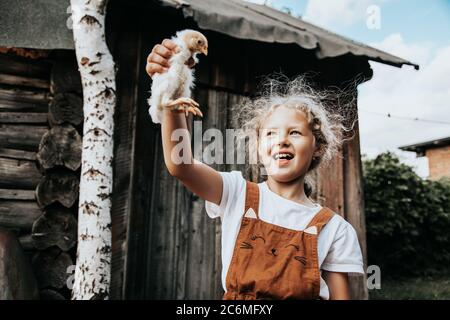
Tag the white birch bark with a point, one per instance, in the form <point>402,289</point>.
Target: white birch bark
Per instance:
<point>96,66</point>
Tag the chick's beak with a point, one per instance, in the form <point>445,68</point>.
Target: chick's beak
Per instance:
<point>205,51</point>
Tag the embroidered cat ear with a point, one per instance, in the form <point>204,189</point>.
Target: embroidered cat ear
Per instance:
<point>250,213</point>
<point>311,230</point>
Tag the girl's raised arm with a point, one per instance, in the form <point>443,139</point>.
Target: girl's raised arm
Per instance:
<point>199,178</point>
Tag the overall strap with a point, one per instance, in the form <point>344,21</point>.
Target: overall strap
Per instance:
<point>321,219</point>
<point>252,198</point>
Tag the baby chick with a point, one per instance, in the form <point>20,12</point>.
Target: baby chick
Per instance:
<point>172,89</point>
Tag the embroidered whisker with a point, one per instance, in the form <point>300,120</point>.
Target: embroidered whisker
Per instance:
<point>246,245</point>
<point>301,259</point>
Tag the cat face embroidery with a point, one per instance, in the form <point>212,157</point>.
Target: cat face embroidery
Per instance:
<point>259,242</point>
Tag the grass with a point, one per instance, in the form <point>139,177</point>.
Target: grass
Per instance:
<point>423,288</point>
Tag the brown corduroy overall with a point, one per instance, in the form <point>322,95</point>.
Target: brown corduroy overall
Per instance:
<point>273,262</point>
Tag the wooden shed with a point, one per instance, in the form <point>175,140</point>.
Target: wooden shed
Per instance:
<point>164,246</point>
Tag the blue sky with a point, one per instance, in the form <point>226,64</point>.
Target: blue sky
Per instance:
<point>416,30</point>
<point>416,20</point>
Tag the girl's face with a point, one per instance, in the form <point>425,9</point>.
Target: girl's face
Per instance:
<point>286,144</point>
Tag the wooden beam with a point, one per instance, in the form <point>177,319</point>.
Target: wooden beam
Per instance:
<point>42,97</point>
<point>354,207</point>
<point>24,81</point>
<point>66,107</point>
<point>19,214</point>
<point>330,185</point>
<point>15,106</point>
<point>58,186</point>
<point>56,227</point>
<point>18,174</point>
<point>21,136</point>
<point>17,154</point>
<point>61,146</point>
<point>22,117</point>
<point>15,194</point>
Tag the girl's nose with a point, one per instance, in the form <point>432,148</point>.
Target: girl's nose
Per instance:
<point>283,139</point>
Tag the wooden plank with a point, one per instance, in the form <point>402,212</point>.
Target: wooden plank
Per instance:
<point>130,210</point>
<point>331,185</point>
<point>14,94</point>
<point>181,241</point>
<point>16,194</point>
<point>15,106</point>
<point>24,81</point>
<point>354,207</point>
<point>17,154</point>
<point>19,214</point>
<point>22,174</point>
<point>162,238</point>
<point>25,67</point>
<point>21,136</point>
<point>21,117</point>
<point>16,276</point>
<point>203,278</point>
<point>228,121</point>
<point>27,243</point>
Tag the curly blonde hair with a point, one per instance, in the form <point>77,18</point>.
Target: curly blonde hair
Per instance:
<point>327,127</point>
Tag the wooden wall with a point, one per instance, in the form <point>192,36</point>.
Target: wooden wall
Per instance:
<point>40,148</point>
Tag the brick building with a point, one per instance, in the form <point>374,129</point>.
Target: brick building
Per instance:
<point>438,154</point>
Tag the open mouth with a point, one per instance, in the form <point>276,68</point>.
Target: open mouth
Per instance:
<point>283,156</point>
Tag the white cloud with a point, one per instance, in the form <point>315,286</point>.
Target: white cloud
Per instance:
<point>332,13</point>
<point>423,94</point>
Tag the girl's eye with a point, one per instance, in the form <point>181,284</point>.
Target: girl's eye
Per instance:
<point>295,132</point>
<point>269,133</point>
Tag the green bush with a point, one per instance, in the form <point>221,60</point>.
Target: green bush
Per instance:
<point>407,219</point>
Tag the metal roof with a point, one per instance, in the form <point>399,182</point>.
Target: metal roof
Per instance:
<point>246,20</point>
<point>38,24</point>
<point>45,24</point>
<point>421,147</point>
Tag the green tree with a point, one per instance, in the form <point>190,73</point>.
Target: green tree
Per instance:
<point>407,218</point>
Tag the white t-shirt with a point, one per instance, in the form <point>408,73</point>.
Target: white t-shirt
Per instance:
<point>338,246</point>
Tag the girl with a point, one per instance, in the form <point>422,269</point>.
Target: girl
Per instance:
<point>276,242</point>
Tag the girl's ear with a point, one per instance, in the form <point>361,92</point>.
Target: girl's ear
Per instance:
<point>317,153</point>
<point>316,150</point>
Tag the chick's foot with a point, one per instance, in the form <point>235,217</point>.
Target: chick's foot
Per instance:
<point>185,105</point>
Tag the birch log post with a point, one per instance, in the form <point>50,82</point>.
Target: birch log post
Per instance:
<point>93,266</point>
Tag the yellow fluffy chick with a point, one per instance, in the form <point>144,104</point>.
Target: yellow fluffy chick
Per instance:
<point>172,89</point>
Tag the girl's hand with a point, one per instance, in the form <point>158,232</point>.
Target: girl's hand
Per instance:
<point>158,59</point>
